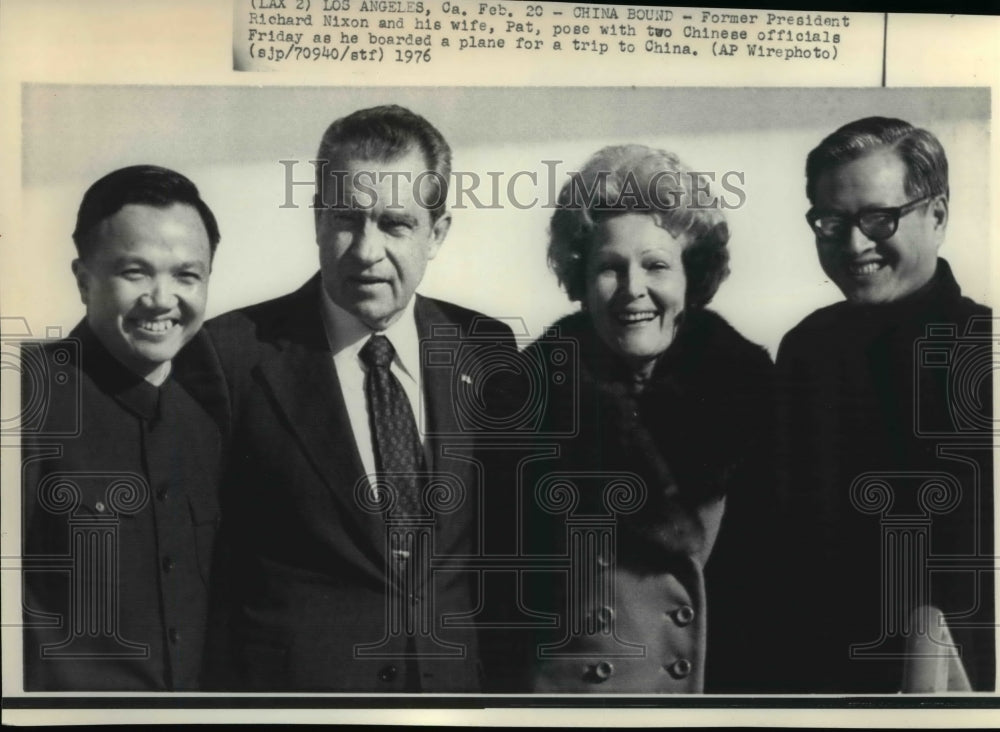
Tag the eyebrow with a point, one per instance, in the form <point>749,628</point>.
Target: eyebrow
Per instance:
<point>400,218</point>
<point>845,214</point>
<point>129,259</point>
<point>134,259</point>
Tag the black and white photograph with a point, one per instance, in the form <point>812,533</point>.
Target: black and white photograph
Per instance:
<point>371,395</point>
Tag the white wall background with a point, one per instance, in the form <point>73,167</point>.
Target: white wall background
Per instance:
<point>229,141</point>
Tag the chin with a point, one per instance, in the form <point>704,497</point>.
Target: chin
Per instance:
<point>156,355</point>
<point>865,296</point>
<point>640,356</point>
<point>377,319</point>
<point>150,361</point>
<point>871,293</point>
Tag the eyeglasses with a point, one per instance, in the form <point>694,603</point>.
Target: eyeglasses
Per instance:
<point>878,224</point>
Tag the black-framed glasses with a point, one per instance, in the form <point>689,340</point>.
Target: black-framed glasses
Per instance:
<point>878,224</point>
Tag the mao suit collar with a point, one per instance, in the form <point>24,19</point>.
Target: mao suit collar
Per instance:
<point>129,389</point>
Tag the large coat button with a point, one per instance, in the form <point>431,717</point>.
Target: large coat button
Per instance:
<point>680,669</point>
<point>683,615</point>
<point>603,671</point>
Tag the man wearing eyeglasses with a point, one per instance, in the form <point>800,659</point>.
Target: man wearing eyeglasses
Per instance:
<point>886,435</point>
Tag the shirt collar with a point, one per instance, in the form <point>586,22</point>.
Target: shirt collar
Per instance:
<point>347,334</point>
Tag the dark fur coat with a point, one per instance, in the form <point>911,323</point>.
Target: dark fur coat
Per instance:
<point>701,420</point>
<point>698,436</point>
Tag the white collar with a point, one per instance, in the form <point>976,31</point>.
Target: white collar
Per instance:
<point>161,374</point>
<point>346,334</point>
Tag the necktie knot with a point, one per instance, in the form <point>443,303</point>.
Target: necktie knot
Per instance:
<point>378,352</point>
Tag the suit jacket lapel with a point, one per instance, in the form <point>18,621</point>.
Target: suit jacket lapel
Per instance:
<point>438,382</point>
<point>443,427</point>
<point>302,377</point>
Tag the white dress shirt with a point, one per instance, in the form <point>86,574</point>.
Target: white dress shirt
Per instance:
<point>347,335</point>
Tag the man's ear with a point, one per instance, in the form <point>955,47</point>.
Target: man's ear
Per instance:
<point>939,209</point>
<point>82,276</point>
<point>439,230</point>
<point>939,218</point>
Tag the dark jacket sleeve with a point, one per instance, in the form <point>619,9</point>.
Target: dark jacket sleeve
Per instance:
<point>199,369</point>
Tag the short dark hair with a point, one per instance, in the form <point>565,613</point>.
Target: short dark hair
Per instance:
<point>921,153</point>
<point>386,133</point>
<point>638,179</point>
<point>148,185</point>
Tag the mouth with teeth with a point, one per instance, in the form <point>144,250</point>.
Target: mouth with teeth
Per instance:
<point>154,328</point>
<point>864,269</point>
<point>637,318</point>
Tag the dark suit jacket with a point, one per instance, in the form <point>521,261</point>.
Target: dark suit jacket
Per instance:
<point>308,573</point>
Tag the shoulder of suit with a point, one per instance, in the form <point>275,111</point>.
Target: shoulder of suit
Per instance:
<point>971,308</point>
<point>255,313</point>
<point>818,330</point>
<point>65,350</point>
<point>67,347</point>
<point>254,321</point>
<point>814,329</point>
<point>470,322</point>
<point>820,319</point>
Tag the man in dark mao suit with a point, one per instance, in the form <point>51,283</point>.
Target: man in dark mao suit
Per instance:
<point>330,579</point>
<point>887,418</point>
<point>120,471</point>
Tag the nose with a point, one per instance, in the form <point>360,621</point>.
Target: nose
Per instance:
<point>369,243</point>
<point>161,294</point>
<point>857,242</point>
<point>634,282</point>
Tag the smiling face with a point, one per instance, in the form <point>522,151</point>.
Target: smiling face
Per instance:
<point>635,287</point>
<point>376,236</point>
<point>144,282</point>
<point>869,271</point>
